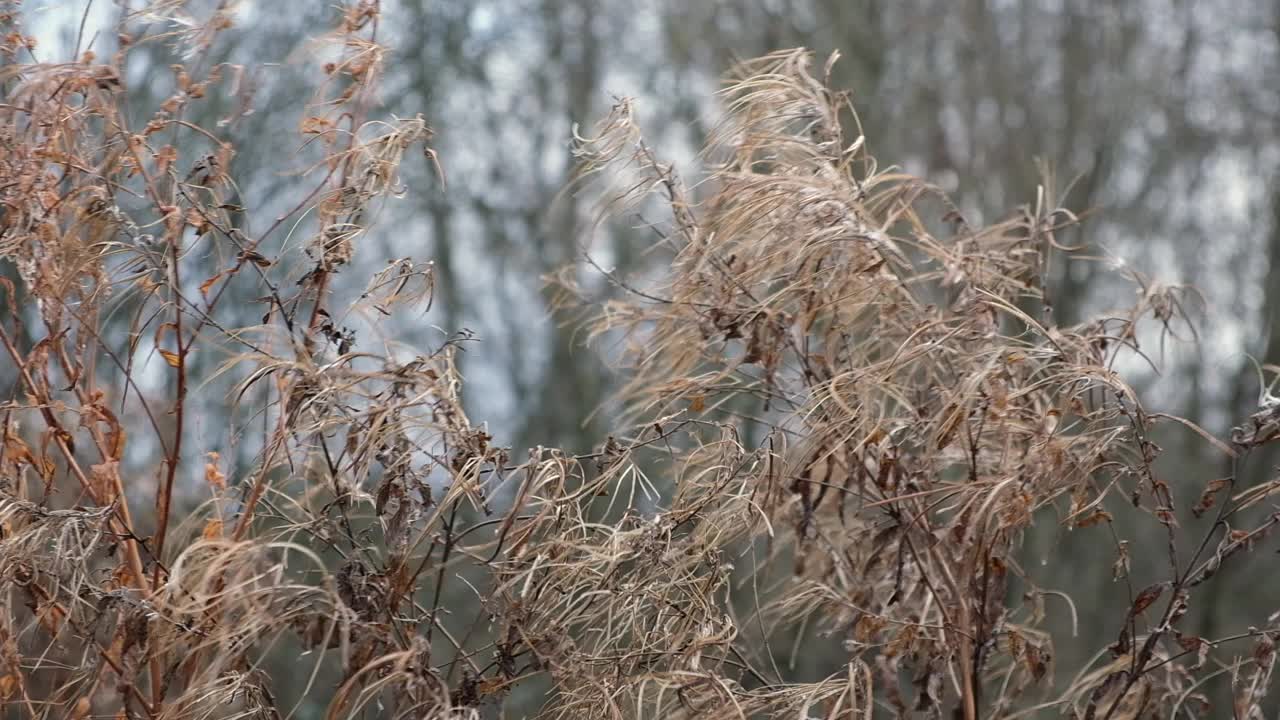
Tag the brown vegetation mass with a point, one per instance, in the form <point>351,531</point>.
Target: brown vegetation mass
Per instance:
<point>845,408</point>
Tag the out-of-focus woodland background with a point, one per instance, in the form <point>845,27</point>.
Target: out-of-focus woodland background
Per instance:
<point>1159,118</point>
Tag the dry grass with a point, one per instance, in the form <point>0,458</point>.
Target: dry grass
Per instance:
<point>921,409</point>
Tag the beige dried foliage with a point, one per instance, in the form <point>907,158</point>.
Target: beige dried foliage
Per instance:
<point>921,410</point>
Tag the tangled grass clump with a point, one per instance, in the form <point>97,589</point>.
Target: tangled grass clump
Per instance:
<point>842,422</point>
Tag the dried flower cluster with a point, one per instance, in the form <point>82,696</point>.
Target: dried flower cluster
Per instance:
<point>844,414</point>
